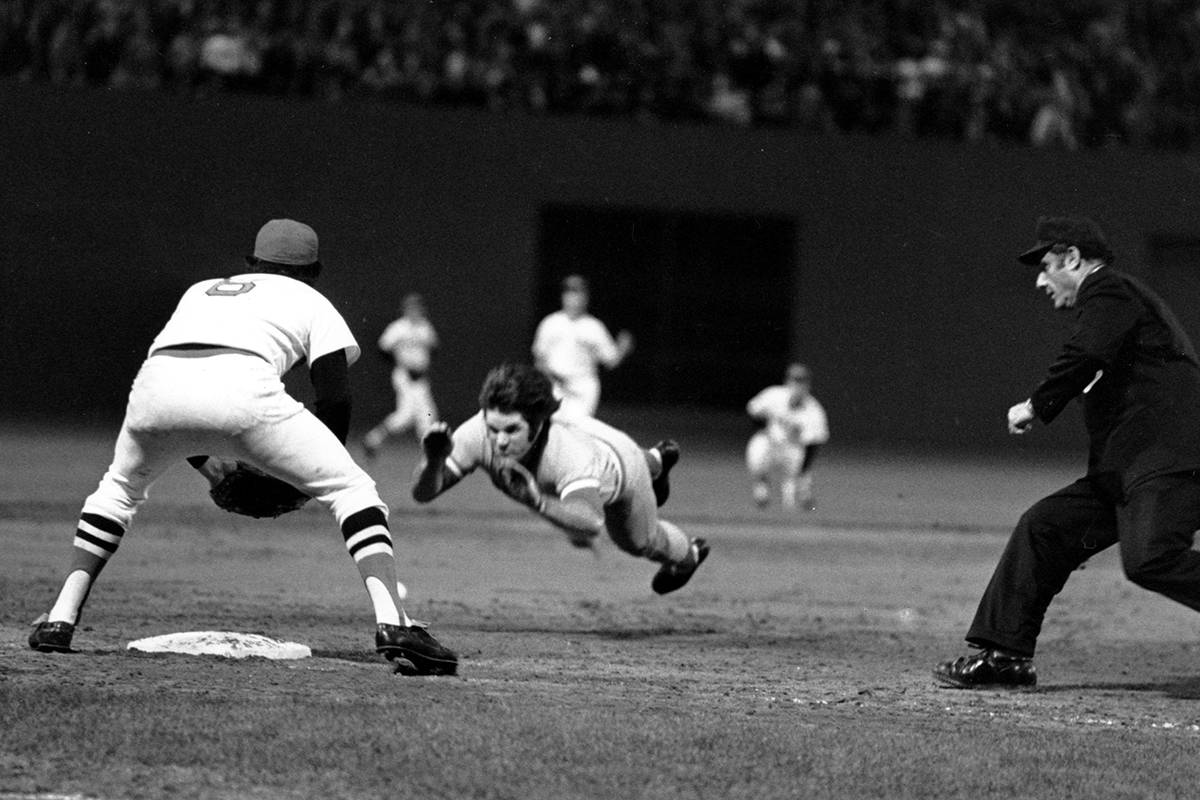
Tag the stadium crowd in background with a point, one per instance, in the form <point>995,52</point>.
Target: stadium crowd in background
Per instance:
<point>1087,74</point>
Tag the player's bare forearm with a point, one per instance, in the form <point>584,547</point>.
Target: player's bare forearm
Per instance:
<point>331,386</point>
<point>430,480</point>
<point>581,517</point>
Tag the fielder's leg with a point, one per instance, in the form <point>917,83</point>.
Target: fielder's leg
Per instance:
<point>804,481</point>
<point>425,411</point>
<point>303,452</point>
<point>106,516</point>
<point>580,395</point>
<point>758,464</point>
<point>397,421</point>
<point>789,457</point>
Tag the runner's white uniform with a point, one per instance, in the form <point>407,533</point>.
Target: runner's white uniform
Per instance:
<point>233,403</point>
<point>571,351</point>
<point>583,452</point>
<point>410,343</point>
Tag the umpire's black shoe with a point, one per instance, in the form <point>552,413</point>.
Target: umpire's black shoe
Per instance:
<point>673,576</point>
<point>411,644</point>
<point>987,669</point>
<point>52,637</point>
<point>668,451</point>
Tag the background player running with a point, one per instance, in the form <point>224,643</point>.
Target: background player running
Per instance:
<point>212,384</point>
<point>578,473</point>
<point>408,342</point>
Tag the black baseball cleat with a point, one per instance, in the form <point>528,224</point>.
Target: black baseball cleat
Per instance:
<point>673,576</point>
<point>668,451</point>
<point>52,637</point>
<point>413,645</point>
<point>987,669</point>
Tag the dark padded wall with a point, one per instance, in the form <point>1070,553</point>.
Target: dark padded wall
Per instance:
<point>918,323</point>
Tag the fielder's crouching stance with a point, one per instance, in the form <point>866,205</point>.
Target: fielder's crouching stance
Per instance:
<point>578,473</point>
<point>212,383</point>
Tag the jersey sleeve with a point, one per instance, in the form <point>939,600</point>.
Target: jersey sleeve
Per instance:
<point>390,336</point>
<point>541,338</point>
<point>757,406</point>
<point>602,342</point>
<point>469,441</point>
<point>569,463</point>
<point>330,333</point>
<point>816,424</point>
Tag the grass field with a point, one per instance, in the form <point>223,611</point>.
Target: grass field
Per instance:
<point>795,665</point>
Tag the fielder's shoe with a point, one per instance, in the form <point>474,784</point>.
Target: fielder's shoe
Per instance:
<point>52,637</point>
<point>673,576</point>
<point>668,451</point>
<point>411,644</point>
<point>987,669</point>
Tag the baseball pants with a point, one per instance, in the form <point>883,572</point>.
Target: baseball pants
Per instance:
<point>414,404</point>
<point>1155,527</point>
<point>632,521</point>
<point>580,394</point>
<point>231,405</point>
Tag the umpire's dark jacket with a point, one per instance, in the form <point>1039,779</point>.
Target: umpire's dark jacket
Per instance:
<point>1143,413</point>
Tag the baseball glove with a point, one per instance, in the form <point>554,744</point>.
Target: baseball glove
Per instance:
<point>254,493</point>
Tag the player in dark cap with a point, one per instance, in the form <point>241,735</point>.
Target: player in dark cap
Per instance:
<point>1138,378</point>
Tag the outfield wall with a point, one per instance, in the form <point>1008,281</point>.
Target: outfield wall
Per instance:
<point>919,325</point>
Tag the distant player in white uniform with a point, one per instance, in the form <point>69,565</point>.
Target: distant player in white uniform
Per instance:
<point>571,346</point>
<point>211,390</point>
<point>581,475</point>
<point>785,448</point>
<point>408,342</point>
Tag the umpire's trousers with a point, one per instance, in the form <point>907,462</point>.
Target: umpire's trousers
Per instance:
<point>1155,525</point>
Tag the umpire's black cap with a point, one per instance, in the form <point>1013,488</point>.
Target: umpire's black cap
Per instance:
<point>1080,232</point>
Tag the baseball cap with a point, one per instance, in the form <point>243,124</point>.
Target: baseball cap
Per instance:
<point>798,373</point>
<point>285,241</point>
<point>1081,232</point>
<point>575,283</point>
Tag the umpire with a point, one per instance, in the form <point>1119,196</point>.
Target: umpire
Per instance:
<point>1137,375</point>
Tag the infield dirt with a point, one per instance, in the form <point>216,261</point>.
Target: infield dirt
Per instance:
<point>795,664</point>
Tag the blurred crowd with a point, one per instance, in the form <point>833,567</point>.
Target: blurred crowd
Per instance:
<point>1089,73</point>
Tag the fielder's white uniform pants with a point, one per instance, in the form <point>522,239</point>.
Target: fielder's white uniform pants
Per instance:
<point>580,394</point>
<point>414,404</point>
<point>230,405</point>
<point>765,456</point>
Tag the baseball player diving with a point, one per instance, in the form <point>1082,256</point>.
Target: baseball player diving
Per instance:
<point>211,384</point>
<point>581,475</point>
